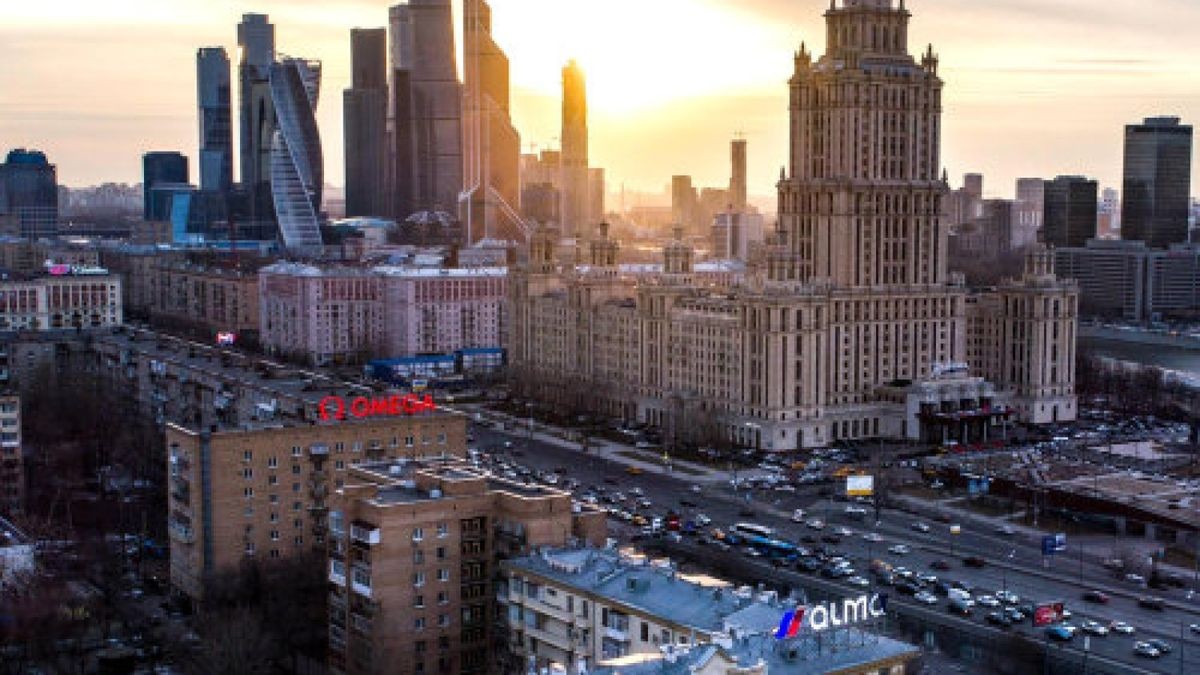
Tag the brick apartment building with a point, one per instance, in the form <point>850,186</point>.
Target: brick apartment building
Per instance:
<point>413,557</point>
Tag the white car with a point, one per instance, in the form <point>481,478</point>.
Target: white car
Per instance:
<point>987,601</point>
<point>920,527</point>
<point>1121,627</point>
<point>703,520</point>
<point>1094,627</point>
<point>816,524</point>
<point>858,581</point>
<point>1006,530</point>
<point>899,549</point>
<point>844,532</point>
<point>1008,597</point>
<point>697,489</point>
<point>872,537</point>
<point>925,598</point>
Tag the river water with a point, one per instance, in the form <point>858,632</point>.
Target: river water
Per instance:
<point>1171,358</point>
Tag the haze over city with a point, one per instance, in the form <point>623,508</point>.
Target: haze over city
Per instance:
<point>1032,88</point>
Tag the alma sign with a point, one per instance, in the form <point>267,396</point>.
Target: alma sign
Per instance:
<point>824,616</point>
<point>338,408</point>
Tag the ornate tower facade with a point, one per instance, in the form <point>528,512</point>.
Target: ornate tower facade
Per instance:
<point>859,204</point>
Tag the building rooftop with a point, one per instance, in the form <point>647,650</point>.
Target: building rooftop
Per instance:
<point>397,480</point>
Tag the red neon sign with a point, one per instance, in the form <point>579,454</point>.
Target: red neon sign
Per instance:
<point>336,407</point>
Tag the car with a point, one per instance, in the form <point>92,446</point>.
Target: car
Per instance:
<point>899,549</point>
<point>958,606</point>
<point>920,527</point>
<point>903,573</point>
<point>1121,627</point>
<point>1136,579</point>
<point>798,516</point>
<point>908,588</point>
<point>1008,597</point>
<point>810,565</point>
<point>1146,602</point>
<point>974,561</point>
<point>1059,633</point>
<point>925,598</point>
<point>1015,615</point>
<point>939,565</point>
<point>697,489</point>
<point>1094,628</point>
<point>858,581</point>
<point>872,537</point>
<point>1195,628</point>
<point>687,504</point>
<point>1146,649</point>
<point>703,520</point>
<point>1162,646</point>
<point>987,601</point>
<point>634,471</point>
<point>831,538</point>
<point>961,596</point>
<point>753,552</point>
<point>999,618</point>
<point>1098,597</point>
<point>815,524</point>
<point>1006,530</point>
<point>927,579</point>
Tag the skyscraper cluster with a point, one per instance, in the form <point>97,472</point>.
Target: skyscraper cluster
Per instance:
<point>278,194</point>
<point>447,150</point>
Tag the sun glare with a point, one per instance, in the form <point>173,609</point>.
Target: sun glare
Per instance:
<point>639,55</point>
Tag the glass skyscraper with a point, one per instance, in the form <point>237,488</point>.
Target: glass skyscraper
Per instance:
<point>297,165</point>
<point>216,126</point>
<point>1069,216</point>
<point>161,170</point>
<point>29,193</point>
<point>1158,176</point>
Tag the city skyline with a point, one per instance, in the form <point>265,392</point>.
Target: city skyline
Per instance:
<point>1001,72</point>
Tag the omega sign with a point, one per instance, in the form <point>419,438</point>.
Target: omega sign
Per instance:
<point>831,615</point>
<point>337,408</point>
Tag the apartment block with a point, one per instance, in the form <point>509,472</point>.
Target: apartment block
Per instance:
<point>204,298</point>
<point>329,315</point>
<point>260,491</point>
<point>413,562</point>
<point>604,611</point>
<point>12,461</point>
<point>78,298</point>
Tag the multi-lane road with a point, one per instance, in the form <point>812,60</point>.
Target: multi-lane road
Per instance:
<point>1013,562</point>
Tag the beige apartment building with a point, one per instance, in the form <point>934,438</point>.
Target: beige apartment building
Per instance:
<point>413,559</point>
<point>84,299</point>
<point>260,490</point>
<point>851,295</point>
<point>203,298</point>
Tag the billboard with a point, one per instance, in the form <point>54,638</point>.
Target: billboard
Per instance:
<point>1047,614</point>
<point>226,339</point>
<point>860,486</point>
<point>1054,543</point>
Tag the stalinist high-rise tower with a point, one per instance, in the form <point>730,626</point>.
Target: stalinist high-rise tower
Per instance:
<point>849,327</point>
<point>860,203</point>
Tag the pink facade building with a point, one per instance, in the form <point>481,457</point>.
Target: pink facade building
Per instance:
<point>329,315</point>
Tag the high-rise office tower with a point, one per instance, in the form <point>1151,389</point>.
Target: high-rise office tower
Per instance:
<point>596,187</point>
<point>297,165</point>
<point>574,152</point>
<point>1158,175</point>
<point>29,194</point>
<point>426,114</point>
<point>216,127</point>
<point>737,178</point>
<point>256,39</point>
<point>159,169</point>
<point>364,109</point>
<point>1027,211</point>
<point>684,202</point>
<point>1108,219</point>
<point>1070,211</point>
<point>492,146</point>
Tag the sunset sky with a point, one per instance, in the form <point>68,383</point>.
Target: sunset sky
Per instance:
<point>1033,87</point>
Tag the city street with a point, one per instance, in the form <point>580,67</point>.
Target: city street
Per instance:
<point>1013,562</point>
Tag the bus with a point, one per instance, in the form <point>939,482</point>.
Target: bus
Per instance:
<point>753,530</point>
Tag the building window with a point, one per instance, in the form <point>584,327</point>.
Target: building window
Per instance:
<point>295,487</point>
<point>296,469</point>
<point>419,623</point>
<point>418,557</point>
<point>443,530</point>
<point>274,499</point>
<point>418,579</point>
<point>418,534</point>
<point>297,523</point>
<point>441,553</point>
<point>247,473</point>
<point>274,535</point>
<point>408,441</point>
<point>645,632</point>
<point>249,548</point>
<point>443,597</point>
<point>296,452</point>
<point>419,602</point>
<point>441,438</point>
<point>274,553</point>
<point>297,506</point>
<point>273,463</point>
<point>248,492</point>
<point>443,574</point>
<point>247,456</point>
<point>357,447</point>
<point>299,540</point>
<point>274,517</point>
<point>339,465</point>
<point>443,620</point>
<point>272,480</point>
